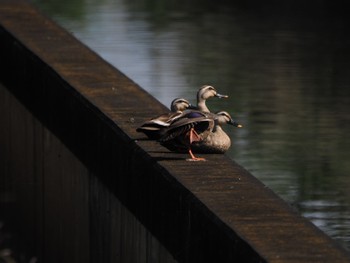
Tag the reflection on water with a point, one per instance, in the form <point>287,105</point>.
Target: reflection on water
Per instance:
<point>287,74</point>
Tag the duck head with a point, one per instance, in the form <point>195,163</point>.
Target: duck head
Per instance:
<point>207,91</point>
<point>223,117</point>
<point>204,93</point>
<point>180,104</point>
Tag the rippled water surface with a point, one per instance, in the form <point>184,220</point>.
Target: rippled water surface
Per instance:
<point>286,69</point>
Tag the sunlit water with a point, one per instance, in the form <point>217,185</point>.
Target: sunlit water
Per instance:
<point>287,74</point>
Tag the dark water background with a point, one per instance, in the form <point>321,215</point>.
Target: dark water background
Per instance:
<point>286,67</point>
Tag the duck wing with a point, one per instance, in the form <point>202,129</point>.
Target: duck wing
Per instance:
<point>153,126</point>
<point>200,122</point>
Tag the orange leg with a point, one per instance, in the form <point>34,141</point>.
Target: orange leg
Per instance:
<point>194,158</point>
<point>194,137</point>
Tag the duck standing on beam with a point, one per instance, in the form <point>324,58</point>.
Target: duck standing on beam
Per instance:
<point>187,127</point>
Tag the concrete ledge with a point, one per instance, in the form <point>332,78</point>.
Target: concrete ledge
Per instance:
<point>214,211</point>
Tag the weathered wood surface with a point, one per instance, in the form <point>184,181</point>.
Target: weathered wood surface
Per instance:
<point>62,211</point>
<point>212,211</point>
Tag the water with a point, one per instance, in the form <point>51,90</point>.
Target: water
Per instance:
<point>286,69</point>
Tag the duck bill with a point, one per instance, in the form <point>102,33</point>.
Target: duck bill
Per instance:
<point>221,96</point>
<point>236,124</point>
<point>192,107</point>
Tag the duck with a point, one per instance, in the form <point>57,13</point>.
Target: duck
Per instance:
<point>151,128</point>
<point>205,92</point>
<point>190,127</point>
<point>217,141</point>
